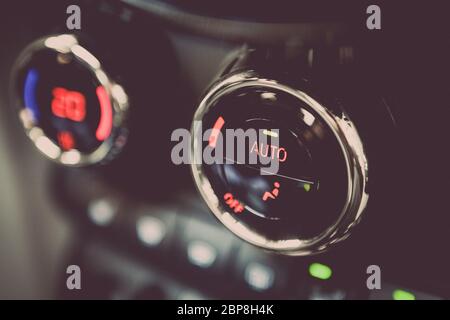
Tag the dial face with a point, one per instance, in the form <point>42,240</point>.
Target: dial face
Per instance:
<point>302,191</point>
<point>69,107</point>
<point>65,99</point>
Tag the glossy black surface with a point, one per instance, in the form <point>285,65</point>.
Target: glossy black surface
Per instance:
<point>309,174</point>
<point>66,105</point>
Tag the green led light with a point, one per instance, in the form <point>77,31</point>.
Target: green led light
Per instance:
<point>403,295</point>
<point>320,271</point>
<point>307,187</point>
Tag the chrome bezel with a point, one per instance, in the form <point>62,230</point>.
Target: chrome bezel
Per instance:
<point>68,44</point>
<point>351,146</point>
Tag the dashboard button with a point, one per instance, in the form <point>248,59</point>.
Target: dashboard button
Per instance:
<point>201,254</point>
<point>205,247</point>
<point>295,177</point>
<point>259,277</point>
<point>150,230</point>
<point>102,211</point>
<point>261,274</point>
<point>391,292</point>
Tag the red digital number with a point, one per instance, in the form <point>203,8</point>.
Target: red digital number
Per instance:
<point>68,104</point>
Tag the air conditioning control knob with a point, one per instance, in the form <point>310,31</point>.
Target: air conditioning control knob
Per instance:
<point>70,107</point>
<point>317,189</point>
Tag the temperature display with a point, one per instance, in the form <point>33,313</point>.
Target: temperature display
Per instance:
<point>66,101</point>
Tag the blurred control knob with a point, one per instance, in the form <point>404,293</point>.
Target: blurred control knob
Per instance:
<point>69,106</point>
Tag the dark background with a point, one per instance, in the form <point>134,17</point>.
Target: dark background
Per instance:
<point>173,49</point>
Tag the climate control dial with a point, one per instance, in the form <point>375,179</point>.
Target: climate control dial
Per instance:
<point>69,106</point>
<point>302,182</point>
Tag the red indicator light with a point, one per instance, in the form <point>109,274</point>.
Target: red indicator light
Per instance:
<point>215,132</point>
<point>106,115</point>
<point>272,195</point>
<point>233,203</point>
<point>66,140</point>
<point>68,104</point>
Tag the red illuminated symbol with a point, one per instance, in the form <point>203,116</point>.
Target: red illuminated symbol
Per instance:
<point>233,203</point>
<point>106,116</point>
<point>215,132</point>
<point>68,104</point>
<point>66,140</point>
<point>272,195</point>
<point>275,152</point>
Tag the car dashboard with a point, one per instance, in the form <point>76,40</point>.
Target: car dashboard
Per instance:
<point>140,225</point>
